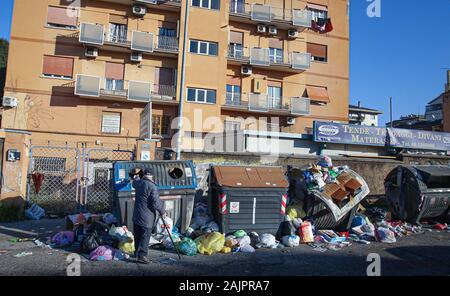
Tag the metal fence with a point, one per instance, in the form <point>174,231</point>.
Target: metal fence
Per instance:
<point>74,179</point>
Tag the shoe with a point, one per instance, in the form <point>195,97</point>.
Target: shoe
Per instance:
<point>143,260</point>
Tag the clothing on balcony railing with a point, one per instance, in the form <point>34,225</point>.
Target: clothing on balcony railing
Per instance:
<point>322,25</point>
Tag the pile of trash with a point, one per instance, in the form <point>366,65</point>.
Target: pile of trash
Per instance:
<point>97,236</point>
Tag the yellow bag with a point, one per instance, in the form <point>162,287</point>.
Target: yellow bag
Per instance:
<point>127,247</point>
<point>211,243</point>
<point>225,250</point>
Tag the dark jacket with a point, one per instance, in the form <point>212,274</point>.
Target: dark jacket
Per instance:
<point>147,203</point>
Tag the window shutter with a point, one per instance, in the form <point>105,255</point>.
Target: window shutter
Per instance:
<point>111,123</point>
<point>275,43</point>
<point>58,66</point>
<point>60,16</point>
<point>317,50</point>
<point>114,71</point>
<point>236,37</point>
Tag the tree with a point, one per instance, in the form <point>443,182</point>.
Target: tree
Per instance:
<point>4,45</point>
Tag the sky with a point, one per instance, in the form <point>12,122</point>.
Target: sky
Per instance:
<point>401,54</point>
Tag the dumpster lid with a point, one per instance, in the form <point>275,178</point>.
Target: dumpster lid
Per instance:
<point>249,176</point>
<point>435,176</point>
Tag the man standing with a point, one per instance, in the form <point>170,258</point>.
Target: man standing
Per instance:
<point>146,207</point>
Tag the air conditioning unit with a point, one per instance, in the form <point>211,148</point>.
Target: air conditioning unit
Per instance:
<point>9,102</point>
<point>246,70</point>
<point>290,121</point>
<point>139,10</point>
<point>273,30</point>
<point>261,29</point>
<point>136,57</point>
<point>91,52</point>
<point>292,33</point>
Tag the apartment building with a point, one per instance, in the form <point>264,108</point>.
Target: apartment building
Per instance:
<point>83,71</point>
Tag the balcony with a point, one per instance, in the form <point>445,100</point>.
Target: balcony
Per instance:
<point>258,13</point>
<point>262,103</point>
<point>88,86</point>
<point>147,43</point>
<point>170,5</point>
<point>295,62</point>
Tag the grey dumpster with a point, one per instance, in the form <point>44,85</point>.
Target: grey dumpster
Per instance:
<point>248,198</point>
<point>176,182</point>
<point>417,193</point>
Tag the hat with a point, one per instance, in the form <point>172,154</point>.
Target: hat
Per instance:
<point>148,171</point>
<point>135,171</point>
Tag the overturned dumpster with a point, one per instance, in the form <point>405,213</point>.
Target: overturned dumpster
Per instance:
<point>417,193</point>
<point>329,195</point>
<point>176,182</point>
<point>248,198</point>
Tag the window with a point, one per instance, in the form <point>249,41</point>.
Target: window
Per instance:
<point>111,123</point>
<point>233,95</point>
<point>237,6</point>
<point>203,47</point>
<point>200,95</point>
<point>319,52</point>
<point>274,94</point>
<point>235,47</point>
<point>114,74</point>
<point>318,11</point>
<point>231,125</point>
<point>118,33</point>
<point>161,125</point>
<point>209,4</point>
<point>276,55</point>
<point>62,17</point>
<point>44,164</point>
<point>57,67</point>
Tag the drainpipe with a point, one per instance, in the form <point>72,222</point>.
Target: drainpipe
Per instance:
<point>182,82</point>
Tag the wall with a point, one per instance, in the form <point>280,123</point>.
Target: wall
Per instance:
<point>373,171</point>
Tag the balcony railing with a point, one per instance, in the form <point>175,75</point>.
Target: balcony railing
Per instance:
<point>265,103</point>
<point>94,34</point>
<point>266,13</point>
<point>95,86</point>
<point>261,57</point>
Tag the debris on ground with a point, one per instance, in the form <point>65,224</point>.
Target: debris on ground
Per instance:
<point>23,254</point>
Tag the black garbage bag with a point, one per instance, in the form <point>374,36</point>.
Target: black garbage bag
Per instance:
<point>99,228</point>
<point>89,243</point>
<point>109,240</point>
<point>254,239</point>
<point>286,228</point>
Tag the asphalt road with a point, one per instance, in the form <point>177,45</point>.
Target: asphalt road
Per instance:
<point>425,254</point>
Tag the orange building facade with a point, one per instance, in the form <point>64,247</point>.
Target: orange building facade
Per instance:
<point>84,72</point>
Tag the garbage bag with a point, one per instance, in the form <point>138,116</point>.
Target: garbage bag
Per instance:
<point>211,243</point>
<point>63,238</point>
<point>106,239</point>
<point>385,235</point>
<point>119,255</point>
<point>161,228</point>
<point>127,247</point>
<point>358,221</point>
<point>240,233</point>
<point>200,209</point>
<point>247,249</point>
<point>243,241</point>
<point>109,219</point>
<point>121,233</point>
<point>286,228</point>
<point>187,247</point>
<point>167,242</point>
<point>89,243</point>
<point>267,240</point>
<point>102,253</point>
<point>291,240</point>
<point>98,227</point>
<point>292,213</point>
<point>35,212</point>
<point>306,233</point>
<point>225,250</point>
<point>231,241</point>
<point>199,221</point>
<point>254,239</point>
<point>211,226</point>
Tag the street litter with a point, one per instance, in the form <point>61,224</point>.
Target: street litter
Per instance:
<point>35,212</point>
<point>23,254</point>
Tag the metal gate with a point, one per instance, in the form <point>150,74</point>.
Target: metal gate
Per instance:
<point>74,179</point>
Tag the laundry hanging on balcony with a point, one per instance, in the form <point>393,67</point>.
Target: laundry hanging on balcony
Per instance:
<point>322,25</point>
<point>38,179</point>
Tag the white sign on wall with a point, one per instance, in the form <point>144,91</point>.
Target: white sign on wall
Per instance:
<point>145,131</point>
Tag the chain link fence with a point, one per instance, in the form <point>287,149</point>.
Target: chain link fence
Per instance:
<point>73,178</point>
<point>98,178</point>
<point>58,191</point>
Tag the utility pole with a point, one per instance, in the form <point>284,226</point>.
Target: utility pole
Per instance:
<point>182,82</point>
<point>390,111</point>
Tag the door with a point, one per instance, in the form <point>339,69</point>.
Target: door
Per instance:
<point>167,38</point>
<point>274,94</point>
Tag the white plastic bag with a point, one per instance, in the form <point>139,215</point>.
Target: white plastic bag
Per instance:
<point>243,241</point>
<point>267,240</point>
<point>291,240</point>
<point>161,228</point>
